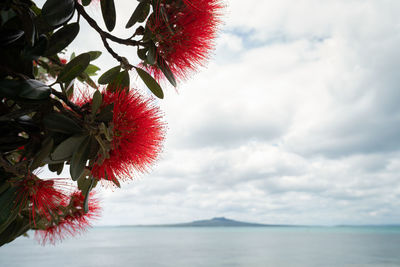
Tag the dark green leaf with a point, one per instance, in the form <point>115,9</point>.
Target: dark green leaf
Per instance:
<point>121,82</point>
<point>86,185</point>
<point>79,159</point>
<point>65,149</point>
<point>56,167</point>
<point>34,89</point>
<point>58,122</point>
<point>86,2</point>
<point>30,89</point>
<point>145,13</point>
<point>26,19</point>
<point>45,150</point>
<point>142,53</point>
<point>84,77</point>
<point>163,66</point>
<point>152,54</point>
<point>142,10</point>
<point>62,38</point>
<point>151,83</point>
<point>8,207</point>
<point>18,226</point>
<point>94,55</point>
<point>97,100</point>
<point>75,67</point>
<point>9,36</point>
<point>109,75</point>
<point>33,53</point>
<point>69,91</point>
<point>109,14</point>
<point>4,185</point>
<point>91,70</point>
<point>57,12</point>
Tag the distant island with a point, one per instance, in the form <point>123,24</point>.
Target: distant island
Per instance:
<point>225,222</point>
<point>215,222</point>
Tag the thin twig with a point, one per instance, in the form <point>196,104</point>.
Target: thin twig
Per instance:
<point>63,97</point>
<point>124,62</point>
<point>105,34</point>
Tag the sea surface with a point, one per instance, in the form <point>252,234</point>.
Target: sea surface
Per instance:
<point>212,246</point>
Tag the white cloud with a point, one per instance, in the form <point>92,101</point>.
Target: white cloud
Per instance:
<point>295,121</point>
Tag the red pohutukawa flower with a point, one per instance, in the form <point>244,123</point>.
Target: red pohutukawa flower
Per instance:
<point>185,31</point>
<point>72,221</point>
<point>43,197</point>
<point>137,135</point>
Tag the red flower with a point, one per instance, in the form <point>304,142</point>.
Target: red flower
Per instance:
<point>63,61</point>
<point>185,36</point>
<point>138,133</point>
<point>72,221</point>
<point>43,197</point>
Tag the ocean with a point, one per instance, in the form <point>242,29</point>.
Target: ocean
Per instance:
<point>212,246</point>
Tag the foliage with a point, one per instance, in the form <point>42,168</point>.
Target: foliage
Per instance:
<point>48,118</point>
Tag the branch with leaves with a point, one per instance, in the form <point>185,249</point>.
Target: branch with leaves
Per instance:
<point>49,118</point>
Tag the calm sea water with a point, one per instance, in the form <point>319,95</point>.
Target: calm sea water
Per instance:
<point>236,246</point>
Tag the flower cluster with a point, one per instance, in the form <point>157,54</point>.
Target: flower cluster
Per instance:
<point>137,134</point>
<point>111,135</point>
<point>71,221</point>
<point>43,197</point>
<point>184,33</point>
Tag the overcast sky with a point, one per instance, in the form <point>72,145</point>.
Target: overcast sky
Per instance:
<point>295,120</point>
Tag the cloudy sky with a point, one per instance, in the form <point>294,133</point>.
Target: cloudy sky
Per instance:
<point>295,120</point>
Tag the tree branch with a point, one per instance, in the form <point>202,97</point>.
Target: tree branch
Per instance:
<point>104,34</point>
<point>61,96</point>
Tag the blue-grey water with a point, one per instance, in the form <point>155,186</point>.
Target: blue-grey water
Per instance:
<point>213,246</point>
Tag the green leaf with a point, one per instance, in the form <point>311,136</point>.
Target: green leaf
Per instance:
<point>33,53</point>
<point>62,38</point>
<point>142,53</point>
<point>57,12</point>
<point>109,75</point>
<point>84,182</point>
<point>163,66</point>
<point>34,89</point>
<point>84,77</point>
<point>109,14</point>
<point>4,185</point>
<point>58,122</point>
<point>56,167</point>
<point>120,82</point>
<point>28,26</point>
<point>29,89</point>
<point>86,2</point>
<point>79,159</point>
<point>142,10</point>
<point>94,55</point>
<point>75,67</point>
<point>18,226</point>
<point>8,36</point>
<point>91,70</point>
<point>152,54</point>
<point>151,83</point>
<point>87,195</point>
<point>97,100</point>
<point>65,149</point>
<point>8,207</point>
<point>38,160</point>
